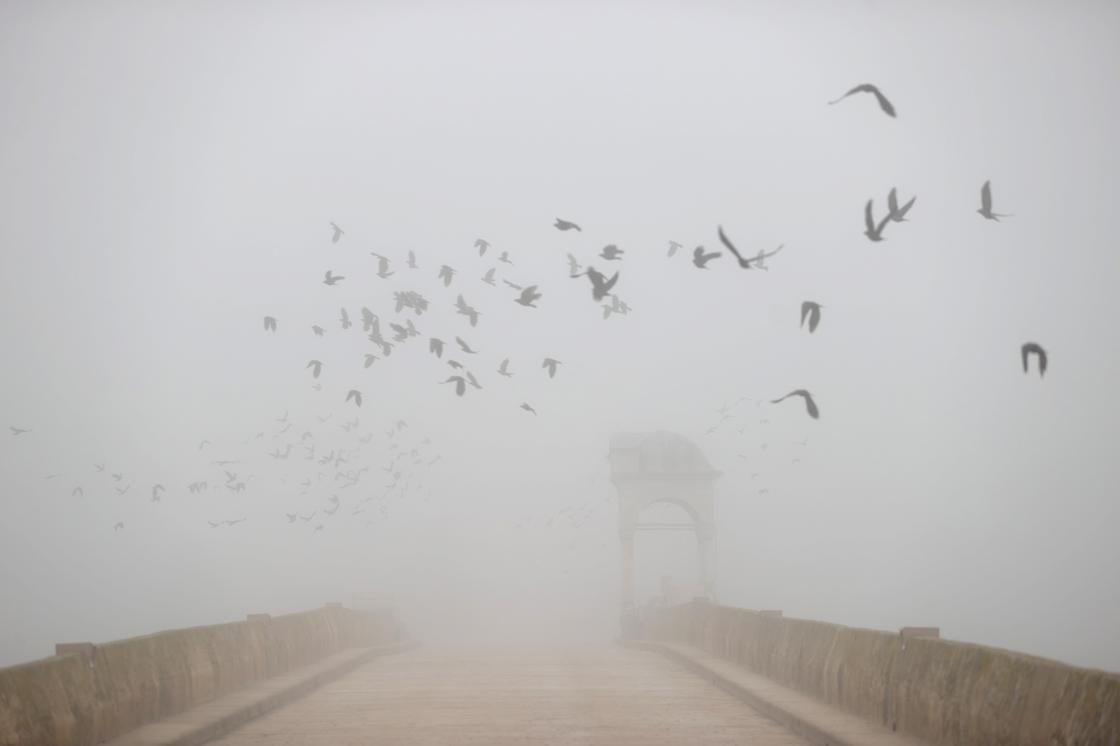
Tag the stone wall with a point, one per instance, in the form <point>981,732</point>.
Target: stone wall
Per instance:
<point>72,700</point>
<point>939,691</point>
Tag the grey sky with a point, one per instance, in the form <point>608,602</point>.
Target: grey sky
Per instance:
<point>167,176</point>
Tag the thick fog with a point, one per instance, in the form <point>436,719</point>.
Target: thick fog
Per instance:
<point>169,174</point>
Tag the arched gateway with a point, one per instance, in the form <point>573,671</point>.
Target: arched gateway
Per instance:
<point>662,467</point>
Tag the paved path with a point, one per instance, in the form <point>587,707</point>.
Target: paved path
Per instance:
<point>608,696</point>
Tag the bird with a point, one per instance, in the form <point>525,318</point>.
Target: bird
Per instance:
<point>462,308</point>
<point>319,331</point>
<point>445,274</point>
<point>482,245</point>
<point>99,467</point>
<point>344,319</point>
<point>505,258</point>
<point>156,490</point>
<point>873,231</point>
<point>307,518</point>
<point>118,525</point>
<point>550,364</point>
<point>528,297</point>
<point>435,346</point>
<point>465,347</point>
<point>382,266</point>
<point>700,259</point>
<point>122,490</point>
<point>1033,348</point>
<point>810,405</point>
<point>369,360</point>
<point>77,492</point>
<point>319,527</point>
<point>566,225</point>
<point>291,517</point>
<point>600,285</point>
<point>473,381</point>
<point>332,279</point>
<point>235,522</point>
<point>611,253</point>
<point>528,408</point>
<point>898,214</point>
<point>411,259</point>
<point>337,233</point>
<point>269,324</point>
<point>316,367</point>
<point>745,263</point>
<point>674,247</point>
<point>203,444</point>
<point>488,278</point>
<point>355,395</point>
<point>503,369</point>
<point>573,266</point>
<point>812,311</point>
<point>884,104</point>
<point>460,384</point>
<point>513,285</point>
<point>19,430</point>
<point>986,204</point>
<point>117,477</point>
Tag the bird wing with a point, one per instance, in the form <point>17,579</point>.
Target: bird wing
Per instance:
<point>868,218</point>
<point>892,200</point>
<point>884,104</point>
<point>986,196</point>
<point>726,242</point>
<point>806,307</point>
<point>814,318</point>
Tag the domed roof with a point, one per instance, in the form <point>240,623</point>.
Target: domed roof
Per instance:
<point>657,453</point>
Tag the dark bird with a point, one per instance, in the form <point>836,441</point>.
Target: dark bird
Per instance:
<point>118,525</point>
<point>465,347</point>
<point>573,266</point>
<point>488,278</point>
<point>99,467</point>
<point>528,297</point>
<point>550,364</point>
<point>382,266</point>
<point>473,381</point>
<point>77,492</point>
<point>445,274</point>
<point>122,490</point>
<point>884,104</point>
<point>319,331</point>
<point>19,430</point>
<point>811,311</point>
<point>330,279</point>
<point>235,522</point>
<point>700,259</point>
<point>986,204</point>
<point>369,360</point>
<point>344,319</point>
<point>460,384</point>
<point>291,517</point>
<point>505,258</point>
<point>411,259</point>
<point>745,263</point>
<point>611,253</point>
<point>316,367</point>
<point>269,324</point>
<point>1033,348</point>
<point>873,231</point>
<point>503,369</point>
<point>337,233</point>
<point>810,405</point>
<point>898,214</point>
<point>600,285</point>
<point>566,225</point>
<point>355,395</point>
<point>482,245</point>
<point>528,408</point>
<point>513,285</point>
<point>117,477</point>
<point>435,346</point>
<point>674,247</point>
<point>157,489</point>
<point>463,309</point>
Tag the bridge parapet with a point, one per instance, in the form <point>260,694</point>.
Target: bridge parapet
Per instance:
<point>935,690</point>
<point>101,691</point>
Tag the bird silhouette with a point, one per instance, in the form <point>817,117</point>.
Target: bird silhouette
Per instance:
<point>269,324</point>
<point>674,247</point>
<point>337,233</point>
<point>986,204</point>
<point>550,364</point>
<point>460,384</point>
<point>344,319</point>
<point>611,253</point>
<point>566,225</point>
<point>435,346</point>
<point>291,517</point>
<point>504,258</point>
<point>157,489</point>
<point>411,259</point>
<point>884,104</point>
<point>488,278</point>
<point>464,309</point>
<point>203,444</point>
<point>528,408</point>
<point>235,522</point>
<point>872,230</point>
<point>700,259</point>
<point>318,330</point>
<point>1033,348</point>
<point>600,285</point>
<point>744,263</point>
<point>77,492</point>
<point>118,525</point>
<point>465,347</point>
<point>332,279</point>
<point>369,360</point>
<point>355,395</point>
<point>472,380</point>
<point>503,369</point>
<point>898,214</point>
<point>528,297</point>
<point>307,518</point>
<point>812,311</point>
<point>316,367</point>
<point>382,266</point>
<point>810,405</point>
<point>445,274</point>
<point>482,245</point>
<point>17,431</point>
<point>513,285</point>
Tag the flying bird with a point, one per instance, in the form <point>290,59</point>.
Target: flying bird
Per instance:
<point>482,245</point>
<point>319,331</point>
<point>528,297</point>
<point>344,319</point>
<point>503,369</point>
<point>745,263</point>
<point>810,405</point>
<point>291,517</point>
<point>157,489</point>
<point>435,346</point>
<point>884,104</point>
<point>566,225</point>
<point>986,204</point>
<point>382,266</point>
<point>898,214</point>
<point>460,384</point>
<point>473,381</point>
<point>269,324</point>
<point>203,444</point>
<point>445,274</point>
<point>811,311</point>
<point>700,259</point>
<point>674,247</point>
<point>528,408</point>
<point>488,278</point>
<point>465,347</point>
<point>411,259</point>
<point>550,364</point>
<point>369,360</point>
<point>337,233</point>
<point>873,231</point>
<point>355,395</point>
<point>611,253</point>
<point>573,266</point>
<point>332,279</point>
<point>505,258</point>
<point>316,367</point>
<point>1033,348</point>
<point>77,492</point>
<point>600,285</point>
<point>18,430</point>
<point>118,525</point>
<point>463,309</point>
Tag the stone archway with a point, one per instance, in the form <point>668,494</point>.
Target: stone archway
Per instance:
<point>662,467</point>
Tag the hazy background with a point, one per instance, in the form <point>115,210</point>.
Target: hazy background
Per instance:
<point>167,175</point>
